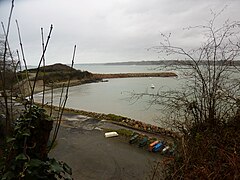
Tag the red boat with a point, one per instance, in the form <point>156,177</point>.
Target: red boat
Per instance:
<point>152,145</point>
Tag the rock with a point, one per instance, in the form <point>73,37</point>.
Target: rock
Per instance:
<point>136,126</point>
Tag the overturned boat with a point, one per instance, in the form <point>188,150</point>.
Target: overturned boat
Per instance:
<point>152,145</point>
<point>134,139</point>
<point>143,142</point>
<point>158,147</point>
<point>111,134</point>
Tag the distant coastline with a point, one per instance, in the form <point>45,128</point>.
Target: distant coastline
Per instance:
<point>172,62</point>
<point>157,63</point>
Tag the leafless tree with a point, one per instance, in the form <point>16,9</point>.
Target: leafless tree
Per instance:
<point>211,89</point>
<point>10,62</point>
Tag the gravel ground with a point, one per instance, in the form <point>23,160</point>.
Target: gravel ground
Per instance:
<point>92,156</point>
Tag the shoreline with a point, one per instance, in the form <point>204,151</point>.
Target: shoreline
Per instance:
<point>96,78</point>
<point>119,120</point>
<point>115,119</point>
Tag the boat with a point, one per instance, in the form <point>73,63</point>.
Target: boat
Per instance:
<point>152,145</point>
<point>158,147</point>
<point>134,139</point>
<point>143,142</point>
<point>152,86</point>
<point>111,134</point>
<point>104,80</point>
<point>165,150</point>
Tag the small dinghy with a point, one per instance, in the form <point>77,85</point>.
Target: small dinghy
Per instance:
<point>152,86</point>
<point>158,147</point>
<point>111,134</point>
<point>165,150</point>
<point>134,139</point>
<point>143,142</point>
<point>152,145</point>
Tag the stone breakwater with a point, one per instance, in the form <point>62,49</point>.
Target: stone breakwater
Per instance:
<point>123,121</point>
<point>131,75</point>
<point>99,78</point>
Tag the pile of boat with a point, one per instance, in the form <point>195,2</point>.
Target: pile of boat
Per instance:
<point>155,146</point>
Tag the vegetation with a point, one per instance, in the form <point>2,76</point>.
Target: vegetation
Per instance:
<point>114,117</point>
<point>206,109</point>
<point>125,132</point>
<point>212,153</point>
<point>26,154</point>
<point>25,135</point>
<point>60,73</point>
<point>7,63</point>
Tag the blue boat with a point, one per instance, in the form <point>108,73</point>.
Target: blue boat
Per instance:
<point>158,147</point>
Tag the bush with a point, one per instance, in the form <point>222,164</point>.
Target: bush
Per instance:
<point>26,154</point>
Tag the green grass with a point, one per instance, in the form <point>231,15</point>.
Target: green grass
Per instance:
<point>125,132</point>
<point>122,132</point>
<point>114,117</point>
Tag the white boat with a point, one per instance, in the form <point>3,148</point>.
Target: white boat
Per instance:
<point>152,86</point>
<point>111,134</point>
<point>165,149</point>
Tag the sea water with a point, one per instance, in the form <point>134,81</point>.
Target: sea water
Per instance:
<point>115,96</point>
<point>109,69</point>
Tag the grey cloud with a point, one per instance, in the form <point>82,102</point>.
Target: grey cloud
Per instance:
<point>109,30</point>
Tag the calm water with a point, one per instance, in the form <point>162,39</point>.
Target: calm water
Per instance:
<point>114,96</point>
<point>117,68</point>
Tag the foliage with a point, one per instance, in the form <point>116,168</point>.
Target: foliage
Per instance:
<point>26,156</point>
<point>59,73</point>
<point>51,77</point>
<point>114,117</point>
<point>26,150</point>
<point>205,109</point>
<point>209,154</point>
<point>125,132</point>
<point>210,92</point>
<point>8,65</point>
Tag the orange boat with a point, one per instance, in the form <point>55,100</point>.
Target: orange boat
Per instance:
<point>152,145</point>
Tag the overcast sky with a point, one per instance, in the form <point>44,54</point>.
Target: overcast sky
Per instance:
<point>108,30</point>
